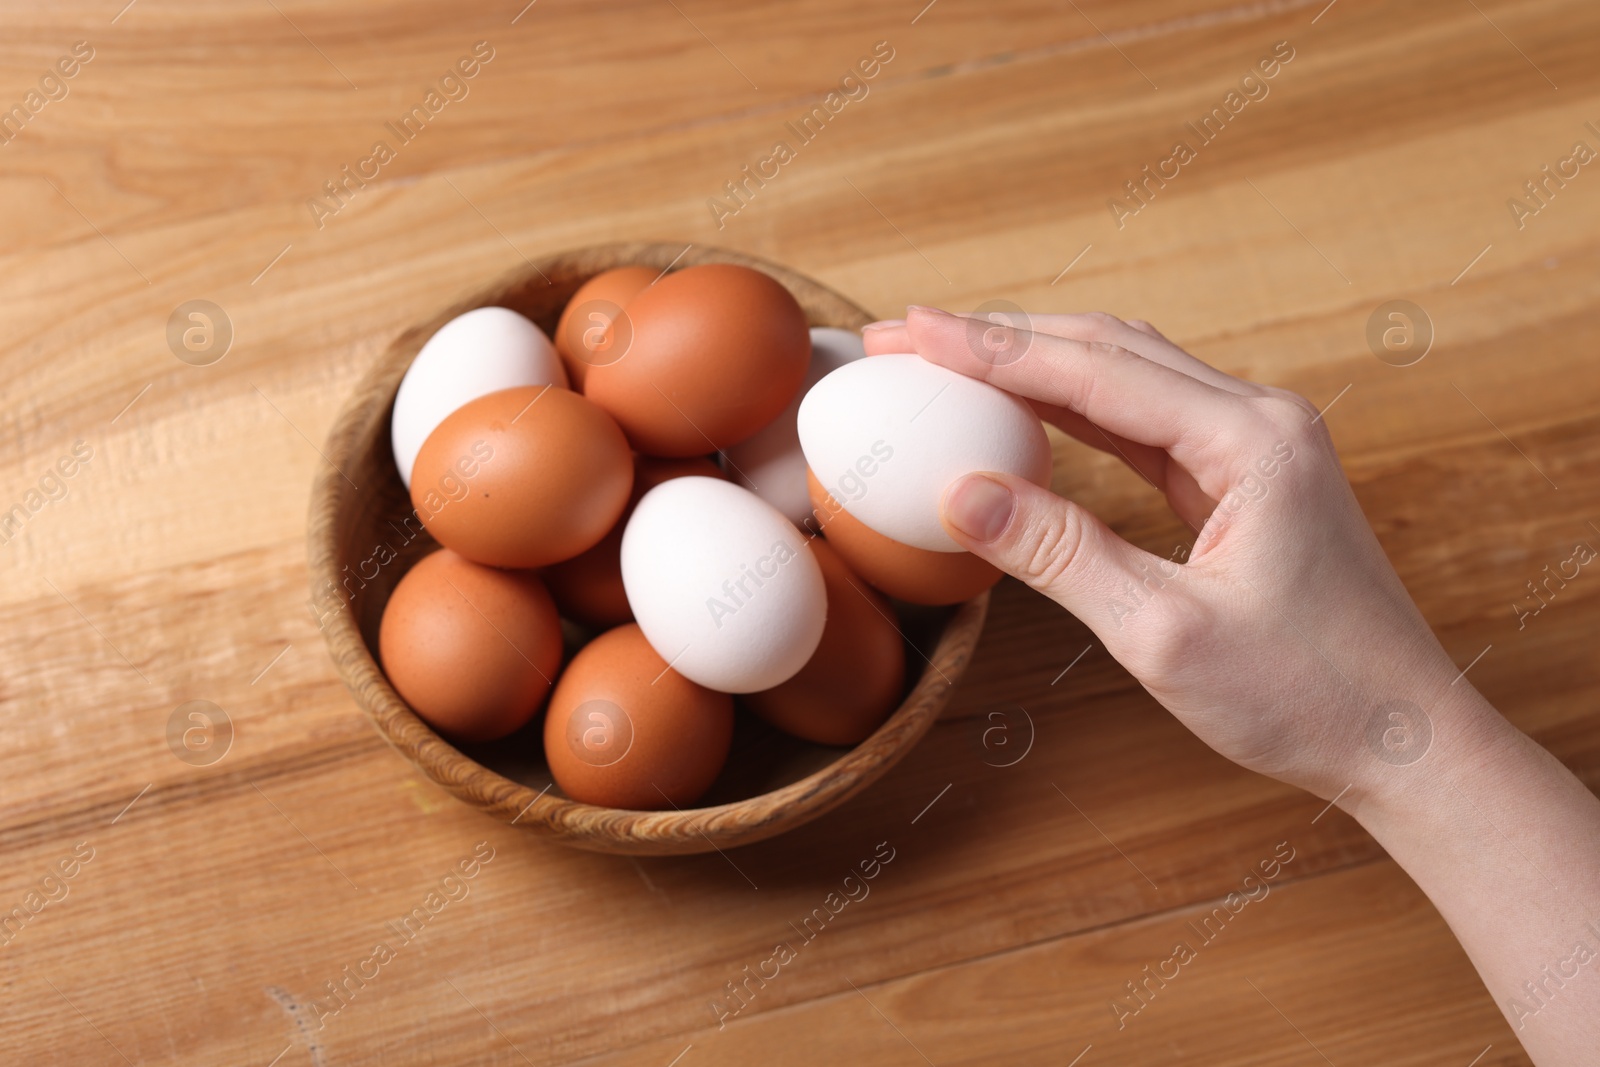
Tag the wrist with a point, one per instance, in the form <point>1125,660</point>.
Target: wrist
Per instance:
<point>1422,758</point>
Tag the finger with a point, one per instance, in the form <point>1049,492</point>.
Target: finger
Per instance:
<point>1111,386</point>
<point>891,336</point>
<point>886,337</point>
<point>1053,545</point>
<point>1147,462</point>
<point>1141,337</point>
<point>1191,503</point>
<point>1136,335</point>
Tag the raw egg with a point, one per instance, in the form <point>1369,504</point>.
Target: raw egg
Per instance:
<point>722,584</point>
<point>888,435</point>
<point>770,463</point>
<point>624,730</point>
<point>914,575</point>
<point>854,679</point>
<point>483,351</point>
<point>471,648</point>
<point>523,477</point>
<point>588,587</point>
<point>717,352</point>
<point>584,336</point>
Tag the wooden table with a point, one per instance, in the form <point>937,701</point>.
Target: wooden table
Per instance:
<point>978,163</point>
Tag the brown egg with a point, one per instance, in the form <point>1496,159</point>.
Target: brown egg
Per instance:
<point>854,679</point>
<point>588,587</point>
<point>912,574</point>
<point>471,648</point>
<point>583,336</point>
<point>626,731</point>
<point>523,477</point>
<point>717,352</point>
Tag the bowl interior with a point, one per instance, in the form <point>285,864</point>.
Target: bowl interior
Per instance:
<point>364,536</point>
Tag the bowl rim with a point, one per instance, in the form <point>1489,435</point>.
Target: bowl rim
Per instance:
<point>362,422</point>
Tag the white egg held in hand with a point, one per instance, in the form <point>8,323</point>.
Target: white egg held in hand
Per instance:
<point>724,587</point>
<point>770,464</point>
<point>888,435</point>
<point>481,352</point>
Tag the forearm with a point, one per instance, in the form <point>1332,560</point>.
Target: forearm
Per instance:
<point>1506,843</point>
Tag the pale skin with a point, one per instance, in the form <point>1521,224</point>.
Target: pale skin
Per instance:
<point>1286,642</point>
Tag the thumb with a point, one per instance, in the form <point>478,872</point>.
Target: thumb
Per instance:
<point>1055,546</point>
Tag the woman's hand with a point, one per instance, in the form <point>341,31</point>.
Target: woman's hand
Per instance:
<point>1284,631</point>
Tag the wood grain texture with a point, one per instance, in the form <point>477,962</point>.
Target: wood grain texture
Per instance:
<point>221,903</point>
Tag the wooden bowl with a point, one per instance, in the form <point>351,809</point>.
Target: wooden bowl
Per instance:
<point>364,535</point>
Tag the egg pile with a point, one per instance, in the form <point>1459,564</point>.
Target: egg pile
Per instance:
<point>724,499</point>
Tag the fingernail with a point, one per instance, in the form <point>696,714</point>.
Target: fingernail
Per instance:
<point>923,307</point>
<point>883,324</point>
<point>979,507</point>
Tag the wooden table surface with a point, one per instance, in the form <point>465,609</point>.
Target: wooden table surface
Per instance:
<point>210,905</point>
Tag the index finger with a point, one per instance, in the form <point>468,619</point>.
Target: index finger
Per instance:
<point>1111,386</point>
<point>1136,336</point>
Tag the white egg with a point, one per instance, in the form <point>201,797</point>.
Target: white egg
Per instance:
<point>770,464</point>
<point>481,352</point>
<point>723,586</point>
<point>888,435</point>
